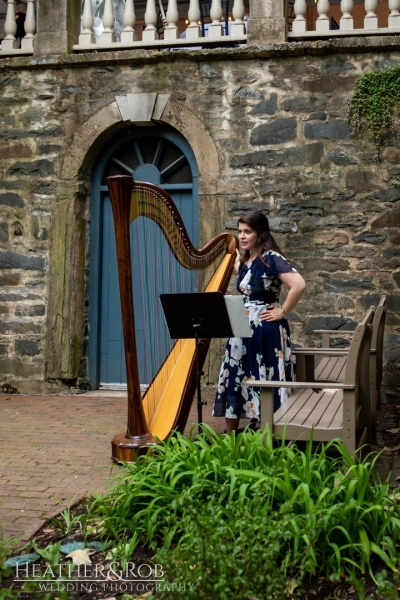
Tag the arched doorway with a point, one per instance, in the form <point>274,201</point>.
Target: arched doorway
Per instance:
<point>157,155</point>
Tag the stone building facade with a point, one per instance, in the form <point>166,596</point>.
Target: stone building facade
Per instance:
<point>267,123</point>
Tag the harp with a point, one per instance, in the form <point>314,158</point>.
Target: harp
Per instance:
<point>166,404</point>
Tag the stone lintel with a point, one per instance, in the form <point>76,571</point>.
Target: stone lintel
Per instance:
<point>142,108</point>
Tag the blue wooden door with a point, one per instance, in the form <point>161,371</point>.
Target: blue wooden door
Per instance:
<point>157,159</point>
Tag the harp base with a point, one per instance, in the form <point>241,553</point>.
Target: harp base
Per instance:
<point>126,449</point>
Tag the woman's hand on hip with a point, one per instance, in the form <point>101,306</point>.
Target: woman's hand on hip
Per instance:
<point>272,314</point>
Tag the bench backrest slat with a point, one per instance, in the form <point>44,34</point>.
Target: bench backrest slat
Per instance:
<point>377,338</point>
<point>356,359</point>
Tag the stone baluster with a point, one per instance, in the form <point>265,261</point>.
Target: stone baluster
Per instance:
<point>347,21</point>
<point>394,17</point>
<point>238,12</point>
<point>10,27</point>
<point>371,19</point>
<point>29,26</point>
<point>171,32</point>
<point>299,23</point>
<point>193,29</point>
<point>150,18</point>
<point>128,35</point>
<point>323,23</point>
<point>108,35</point>
<point>215,28</point>
<point>87,36</point>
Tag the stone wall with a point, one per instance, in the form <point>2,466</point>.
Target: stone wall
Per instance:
<point>276,118</point>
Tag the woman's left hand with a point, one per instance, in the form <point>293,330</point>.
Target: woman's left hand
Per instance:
<point>271,314</point>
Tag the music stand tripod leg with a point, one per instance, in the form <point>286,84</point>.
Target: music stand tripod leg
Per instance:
<point>196,327</point>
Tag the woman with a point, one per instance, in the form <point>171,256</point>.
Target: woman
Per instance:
<point>266,355</point>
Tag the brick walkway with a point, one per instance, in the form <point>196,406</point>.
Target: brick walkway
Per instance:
<point>56,449</point>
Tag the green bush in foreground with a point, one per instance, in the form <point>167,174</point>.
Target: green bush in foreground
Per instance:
<point>245,514</point>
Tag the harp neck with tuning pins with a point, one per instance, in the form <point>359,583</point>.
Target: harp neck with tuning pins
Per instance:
<point>166,404</point>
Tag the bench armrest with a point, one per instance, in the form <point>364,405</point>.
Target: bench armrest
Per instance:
<point>332,331</point>
<point>321,351</point>
<point>298,385</point>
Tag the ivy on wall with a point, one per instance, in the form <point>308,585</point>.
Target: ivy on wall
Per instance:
<point>374,105</point>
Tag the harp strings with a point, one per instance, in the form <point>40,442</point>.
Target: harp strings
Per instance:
<point>166,261</point>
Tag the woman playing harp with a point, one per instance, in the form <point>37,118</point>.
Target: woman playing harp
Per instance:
<point>167,401</point>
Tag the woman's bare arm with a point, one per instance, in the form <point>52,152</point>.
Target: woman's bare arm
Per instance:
<point>297,286</point>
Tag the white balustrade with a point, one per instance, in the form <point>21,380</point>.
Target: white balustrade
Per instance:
<point>322,23</point>
<point>29,26</point>
<point>347,21</point>
<point>108,35</point>
<point>193,29</point>
<point>299,24</point>
<point>394,17</point>
<point>171,20</point>
<point>87,36</point>
<point>215,28</point>
<point>10,27</point>
<point>238,12</point>
<point>150,18</point>
<point>171,31</point>
<point>303,10</point>
<point>371,19</point>
<point>128,35</point>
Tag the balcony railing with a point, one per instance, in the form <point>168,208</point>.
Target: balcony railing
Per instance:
<point>224,23</point>
<point>12,45</point>
<point>160,28</point>
<point>327,19</point>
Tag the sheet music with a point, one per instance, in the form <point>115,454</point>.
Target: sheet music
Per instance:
<point>237,316</point>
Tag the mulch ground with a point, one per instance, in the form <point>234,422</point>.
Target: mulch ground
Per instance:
<point>107,576</point>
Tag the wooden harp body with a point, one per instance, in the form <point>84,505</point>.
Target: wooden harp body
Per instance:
<point>166,404</point>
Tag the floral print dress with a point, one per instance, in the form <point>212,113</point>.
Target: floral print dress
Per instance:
<point>264,356</point>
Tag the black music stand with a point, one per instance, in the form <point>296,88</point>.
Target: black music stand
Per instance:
<point>197,315</point>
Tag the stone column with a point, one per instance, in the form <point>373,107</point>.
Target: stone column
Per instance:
<point>268,22</point>
<point>65,312</point>
<point>58,26</point>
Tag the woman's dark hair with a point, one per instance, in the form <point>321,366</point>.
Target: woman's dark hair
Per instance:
<point>256,220</point>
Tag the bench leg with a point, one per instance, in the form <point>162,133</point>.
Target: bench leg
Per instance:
<point>267,408</point>
<point>305,367</point>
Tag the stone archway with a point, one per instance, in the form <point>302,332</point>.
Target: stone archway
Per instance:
<point>68,247</point>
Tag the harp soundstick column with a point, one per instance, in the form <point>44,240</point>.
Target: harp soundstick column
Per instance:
<point>125,446</point>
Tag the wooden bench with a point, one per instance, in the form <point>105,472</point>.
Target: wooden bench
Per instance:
<point>332,367</point>
<point>335,409</point>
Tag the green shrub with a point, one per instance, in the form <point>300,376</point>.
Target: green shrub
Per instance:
<point>320,512</point>
<point>237,559</point>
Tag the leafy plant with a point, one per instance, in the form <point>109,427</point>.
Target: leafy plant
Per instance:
<point>238,558</point>
<point>337,516</point>
<point>5,593</point>
<point>51,554</point>
<point>386,589</point>
<point>66,522</point>
<point>123,551</point>
<point>374,104</point>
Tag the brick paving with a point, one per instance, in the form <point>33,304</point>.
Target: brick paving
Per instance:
<point>56,449</point>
